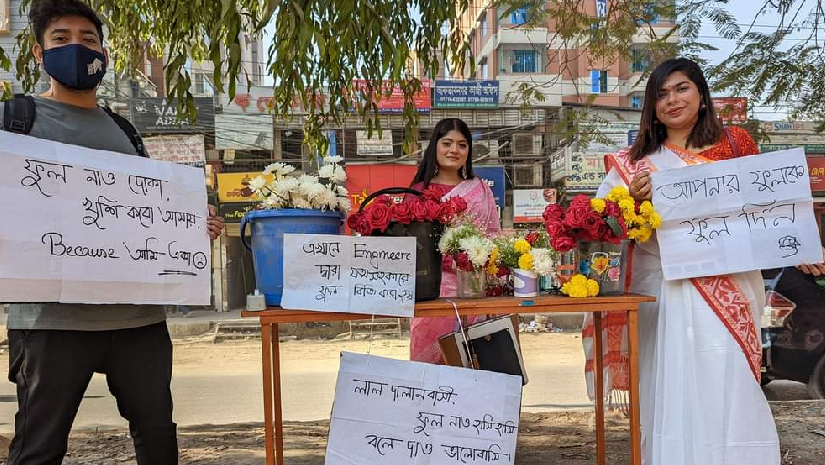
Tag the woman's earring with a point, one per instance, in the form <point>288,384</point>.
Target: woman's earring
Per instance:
<point>436,171</point>
<point>464,171</point>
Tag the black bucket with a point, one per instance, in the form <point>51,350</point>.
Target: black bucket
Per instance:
<point>427,256</point>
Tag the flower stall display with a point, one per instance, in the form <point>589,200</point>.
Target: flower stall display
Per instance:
<point>422,215</point>
<point>291,203</point>
<point>599,229</point>
<point>516,258</point>
<point>472,254</point>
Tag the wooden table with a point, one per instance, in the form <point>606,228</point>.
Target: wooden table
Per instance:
<point>629,303</point>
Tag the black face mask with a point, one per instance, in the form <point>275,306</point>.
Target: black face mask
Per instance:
<point>75,66</point>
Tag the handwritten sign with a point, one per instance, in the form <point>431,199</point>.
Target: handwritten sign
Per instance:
<point>397,412</point>
<point>88,226</point>
<point>372,275</point>
<point>737,215</point>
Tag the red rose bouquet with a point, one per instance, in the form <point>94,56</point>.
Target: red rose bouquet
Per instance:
<point>376,217</point>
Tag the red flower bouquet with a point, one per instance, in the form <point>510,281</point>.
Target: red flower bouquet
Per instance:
<point>377,216</point>
<point>585,220</point>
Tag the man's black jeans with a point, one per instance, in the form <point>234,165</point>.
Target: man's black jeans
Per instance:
<point>52,370</point>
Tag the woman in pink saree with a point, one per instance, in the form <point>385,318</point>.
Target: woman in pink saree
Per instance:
<point>447,166</point>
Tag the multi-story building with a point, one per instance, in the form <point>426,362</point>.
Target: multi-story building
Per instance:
<point>514,49</point>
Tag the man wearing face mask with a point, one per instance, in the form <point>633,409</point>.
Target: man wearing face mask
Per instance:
<point>55,348</point>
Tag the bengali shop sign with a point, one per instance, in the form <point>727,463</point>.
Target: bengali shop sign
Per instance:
<point>465,94</point>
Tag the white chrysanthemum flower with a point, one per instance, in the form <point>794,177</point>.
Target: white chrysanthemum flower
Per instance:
<point>339,176</point>
<point>326,171</point>
<point>543,261</point>
<point>273,202</point>
<point>478,249</point>
<point>313,190</point>
<point>326,200</point>
<point>334,159</point>
<point>344,204</point>
<point>306,178</point>
<point>285,186</point>
<point>341,191</point>
<point>257,183</point>
<point>446,238</point>
<point>279,169</point>
<point>300,202</point>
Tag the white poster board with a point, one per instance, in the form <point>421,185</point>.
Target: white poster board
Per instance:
<point>529,204</point>
<point>737,215</point>
<point>89,226</point>
<point>397,412</point>
<point>331,273</point>
<point>374,146</point>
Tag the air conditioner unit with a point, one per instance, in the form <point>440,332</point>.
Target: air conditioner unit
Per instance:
<point>526,144</point>
<point>528,175</point>
<point>485,148</point>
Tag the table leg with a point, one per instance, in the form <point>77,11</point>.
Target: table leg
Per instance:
<point>635,414</point>
<point>276,380</point>
<point>598,381</point>
<point>266,357</point>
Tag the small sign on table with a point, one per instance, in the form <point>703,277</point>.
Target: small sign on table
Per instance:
<point>331,273</point>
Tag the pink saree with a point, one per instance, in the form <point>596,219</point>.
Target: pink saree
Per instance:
<point>424,332</point>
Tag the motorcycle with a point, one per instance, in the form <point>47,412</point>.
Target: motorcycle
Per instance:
<point>793,329</point>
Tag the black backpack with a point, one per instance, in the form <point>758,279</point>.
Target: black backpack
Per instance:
<point>19,114</point>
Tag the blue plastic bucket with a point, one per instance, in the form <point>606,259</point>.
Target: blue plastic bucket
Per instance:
<point>267,236</point>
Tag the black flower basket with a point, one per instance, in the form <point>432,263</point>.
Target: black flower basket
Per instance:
<point>427,257</point>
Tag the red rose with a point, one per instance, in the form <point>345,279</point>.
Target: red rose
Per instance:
<point>418,210</point>
<point>575,215</point>
<point>462,262</point>
<point>459,205</point>
<point>563,243</point>
<point>363,225</point>
<point>431,193</point>
<point>446,213</point>
<point>401,213</point>
<point>433,210</point>
<point>555,228</point>
<point>532,237</point>
<point>495,291</point>
<point>352,219</point>
<point>612,237</point>
<point>590,225</point>
<point>553,211</point>
<point>380,215</point>
<point>612,209</point>
<point>503,271</point>
<point>580,200</point>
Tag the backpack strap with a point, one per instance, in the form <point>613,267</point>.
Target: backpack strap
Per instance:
<point>19,114</point>
<point>129,129</point>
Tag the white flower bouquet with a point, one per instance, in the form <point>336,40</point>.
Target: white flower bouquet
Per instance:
<point>279,187</point>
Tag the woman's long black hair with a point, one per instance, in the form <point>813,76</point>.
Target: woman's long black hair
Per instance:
<point>652,132</point>
<point>428,166</point>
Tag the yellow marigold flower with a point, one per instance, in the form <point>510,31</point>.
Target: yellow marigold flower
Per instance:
<point>592,288</point>
<point>646,208</point>
<point>578,280</point>
<point>565,288</point>
<point>618,193</point>
<point>578,291</point>
<point>525,262</point>
<point>494,255</point>
<point>492,269</point>
<point>644,233</point>
<point>655,220</point>
<point>633,233</point>
<point>598,204</point>
<point>628,206</point>
<point>522,246</point>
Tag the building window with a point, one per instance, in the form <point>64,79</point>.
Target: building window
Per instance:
<point>484,24</point>
<point>636,101</point>
<point>598,81</point>
<point>601,8</point>
<point>518,16</point>
<point>640,60</point>
<point>524,61</point>
<point>200,88</point>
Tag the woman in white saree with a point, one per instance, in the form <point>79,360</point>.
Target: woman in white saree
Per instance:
<point>700,349</point>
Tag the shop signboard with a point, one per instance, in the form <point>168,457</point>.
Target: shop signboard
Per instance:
<point>494,176</point>
<point>465,94</point>
<point>156,115</point>
<point>529,204</point>
<point>394,103</point>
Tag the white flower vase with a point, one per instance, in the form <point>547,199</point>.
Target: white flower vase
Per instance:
<point>525,283</point>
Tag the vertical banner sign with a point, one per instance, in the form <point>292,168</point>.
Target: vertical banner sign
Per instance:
<point>394,412</point>
<point>737,215</point>
<point>332,273</point>
<point>88,226</point>
<point>495,178</point>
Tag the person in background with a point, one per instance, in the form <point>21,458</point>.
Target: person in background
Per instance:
<point>447,166</point>
<point>699,343</point>
<point>54,348</point>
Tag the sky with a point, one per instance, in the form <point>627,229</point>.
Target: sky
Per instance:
<point>745,10</point>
